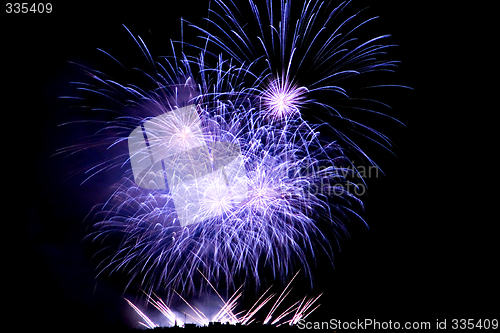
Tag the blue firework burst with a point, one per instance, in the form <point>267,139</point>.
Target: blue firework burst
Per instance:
<point>227,174</point>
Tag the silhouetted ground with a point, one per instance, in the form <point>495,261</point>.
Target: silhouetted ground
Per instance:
<point>120,328</point>
<point>226,327</point>
<point>221,327</point>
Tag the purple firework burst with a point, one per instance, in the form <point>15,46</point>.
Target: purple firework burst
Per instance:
<point>226,174</point>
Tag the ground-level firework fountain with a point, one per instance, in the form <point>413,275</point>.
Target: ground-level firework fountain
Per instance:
<point>276,315</point>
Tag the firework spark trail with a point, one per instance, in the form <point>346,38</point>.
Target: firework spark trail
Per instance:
<point>200,316</point>
<point>255,100</point>
<point>304,309</point>
<point>249,317</point>
<point>159,304</point>
<point>280,299</point>
<point>147,322</point>
<point>300,55</point>
<point>290,316</point>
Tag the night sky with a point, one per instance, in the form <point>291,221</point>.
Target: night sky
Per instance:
<point>430,252</point>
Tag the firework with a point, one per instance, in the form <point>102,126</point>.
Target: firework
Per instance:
<point>303,53</point>
<point>225,313</point>
<point>226,174</point>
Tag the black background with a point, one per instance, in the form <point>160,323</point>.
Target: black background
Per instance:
<point>430,252</point>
